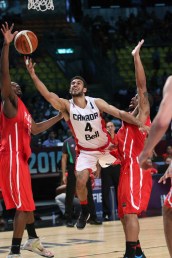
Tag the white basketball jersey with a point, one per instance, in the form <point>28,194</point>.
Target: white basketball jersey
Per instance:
<point>88,125</point>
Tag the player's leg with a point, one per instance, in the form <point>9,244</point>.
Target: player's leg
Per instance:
<point>33,242</point>
<point>81,181</point>
<point>131,229</point>
<point>30,225</point>
<point>139,186</point>
<point>85,163</point>
<point>13,198</point>
<point>167,220</point>
<point>127,213</point>
<point>19,225</point>
<point>81,189</point>
<point>145,194</point>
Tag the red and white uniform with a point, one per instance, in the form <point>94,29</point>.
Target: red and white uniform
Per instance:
<point>14,153</point>
<point>92,139</point>
<point>135,184</point>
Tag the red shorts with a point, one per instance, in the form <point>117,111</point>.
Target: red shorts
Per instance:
<point>168,199</point>
<point>134,189</point>
<point>16,182</point>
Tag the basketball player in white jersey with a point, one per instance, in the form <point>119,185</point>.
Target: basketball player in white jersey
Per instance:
<point>159,126</point>
<point>83,115</point>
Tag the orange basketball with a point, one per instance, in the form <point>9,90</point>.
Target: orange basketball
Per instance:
<point>25,42</point>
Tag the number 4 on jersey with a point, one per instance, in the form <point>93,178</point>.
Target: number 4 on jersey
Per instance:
<point>88,127</point>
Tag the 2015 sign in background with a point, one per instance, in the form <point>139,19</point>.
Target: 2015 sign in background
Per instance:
<point>45,160</point>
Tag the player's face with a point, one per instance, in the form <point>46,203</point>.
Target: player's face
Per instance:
<point>169,150</point>
<point>133,103</point>
<point>77,88</point>
<point>16,89</point>
<point>110,127</point>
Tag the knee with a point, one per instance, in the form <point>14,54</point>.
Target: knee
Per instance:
<point>80,184</point>
<point>20,213</point>
<point>130,218</point>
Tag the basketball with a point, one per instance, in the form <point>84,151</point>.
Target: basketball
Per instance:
<point>25,42</point>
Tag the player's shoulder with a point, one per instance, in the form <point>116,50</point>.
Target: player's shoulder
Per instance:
<point>88,98</point>
<point>65,100</point>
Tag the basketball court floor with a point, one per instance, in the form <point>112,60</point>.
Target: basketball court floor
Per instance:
<point>104,241</point>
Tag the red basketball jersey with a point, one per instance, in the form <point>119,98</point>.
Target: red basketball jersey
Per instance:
<point>131,140</point>
<point>134,185</point>
<point>15,132</point>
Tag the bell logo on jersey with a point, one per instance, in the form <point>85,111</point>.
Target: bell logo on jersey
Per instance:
<point>91,137</point>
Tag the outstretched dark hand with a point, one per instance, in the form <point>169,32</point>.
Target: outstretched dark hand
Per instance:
<point>7,33</point>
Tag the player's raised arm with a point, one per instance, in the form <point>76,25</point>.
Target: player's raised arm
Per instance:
<point>51,97</point>
<point>5,78</point>
<point>143,102</point>
<point>160,123</point>
<point>121,114</point>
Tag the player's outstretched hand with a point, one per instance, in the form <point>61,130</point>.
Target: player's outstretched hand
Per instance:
<point>29,65</point>
<point>167,174</point>
<point>144,129</point>
<point>7,33</point>
<point>136,50</point>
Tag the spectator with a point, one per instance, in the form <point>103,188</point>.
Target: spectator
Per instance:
<point>61,202</point>
<point>168,153</point>
<point>151,167</point>
<point>51,141</point>
<point>168,160</point>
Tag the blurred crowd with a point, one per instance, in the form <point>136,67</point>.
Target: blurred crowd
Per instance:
<point>129,30</point>
<point>110,35</point>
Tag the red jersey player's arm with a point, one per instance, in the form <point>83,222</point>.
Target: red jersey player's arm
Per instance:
<point>160,122</point>
<point>42,126</point>
<point>8,95</point>
<point>143,102</point>
<point>121,114</point>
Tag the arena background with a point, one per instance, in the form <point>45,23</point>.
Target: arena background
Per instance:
<point>93,39</point>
